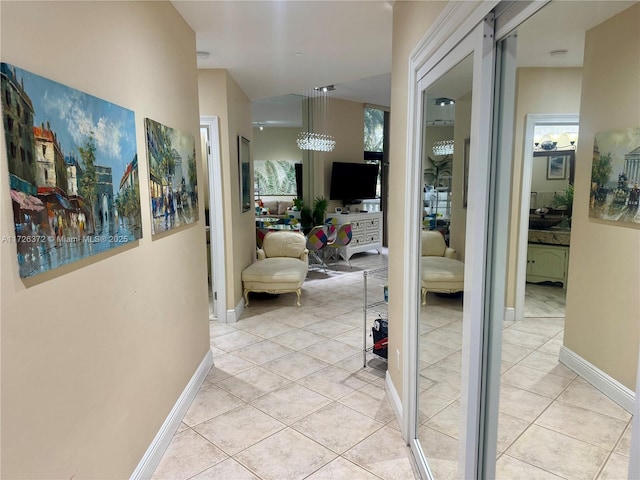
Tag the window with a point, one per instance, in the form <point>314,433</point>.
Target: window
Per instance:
<point>22,154</point>
<point>373,129</point>
<point>44,150</point>
<point>7,97</point>
<point>13,150</point>
<point>373,150</point>
<point>9,123</point>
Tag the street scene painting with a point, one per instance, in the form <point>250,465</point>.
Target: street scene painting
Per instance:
<point>615,176</point>
<point>173,180</point>
<point>73,172</point>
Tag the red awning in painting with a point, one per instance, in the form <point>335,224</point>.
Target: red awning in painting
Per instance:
<point>27,202</point>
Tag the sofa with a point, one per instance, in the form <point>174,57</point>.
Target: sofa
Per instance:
<point>440,272</point>
<point>277,207</point>
<point>281,267</point>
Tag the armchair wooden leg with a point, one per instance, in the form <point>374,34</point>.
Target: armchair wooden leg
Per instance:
<point>246,298</point>
<point>424,296</point>
<point>298,292</point>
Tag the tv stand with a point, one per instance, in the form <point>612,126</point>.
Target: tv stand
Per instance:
<point>366,231</point>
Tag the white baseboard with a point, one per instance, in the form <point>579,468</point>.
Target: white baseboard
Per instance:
<point>234,315</point>
<point>600,380</point>
<point>394,400</point>
<point>509,314</point>
<point>159,445</point>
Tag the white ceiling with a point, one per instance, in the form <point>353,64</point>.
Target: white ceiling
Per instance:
<point>277,48</point>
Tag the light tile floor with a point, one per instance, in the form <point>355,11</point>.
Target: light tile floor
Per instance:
<point>288,397</point>
<point>552,423</point>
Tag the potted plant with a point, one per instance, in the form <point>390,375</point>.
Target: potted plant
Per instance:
<point>296,210</point>
<point>320,205</point>
<point>564,201</point>
<point>297,204</point>
<point>439,168</point>
<point>311,217</point>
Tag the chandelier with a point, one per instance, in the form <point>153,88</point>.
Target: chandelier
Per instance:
<point>444,147</point>
<point>316,141</point>
<point>316,108</point>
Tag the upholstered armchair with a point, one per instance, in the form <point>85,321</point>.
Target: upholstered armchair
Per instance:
<point>281,266</point>
<point>440,271</point>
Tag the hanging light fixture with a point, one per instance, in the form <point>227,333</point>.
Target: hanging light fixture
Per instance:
<point>319,142</point>
<point>444,147</point>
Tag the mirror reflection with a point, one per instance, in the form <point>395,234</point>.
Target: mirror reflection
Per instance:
<point>446,133</point>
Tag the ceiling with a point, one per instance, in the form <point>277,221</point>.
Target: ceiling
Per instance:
<point>273,49</point>
<point>278,51</point>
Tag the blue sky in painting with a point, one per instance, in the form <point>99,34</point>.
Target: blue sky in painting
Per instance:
<point>73,114</point>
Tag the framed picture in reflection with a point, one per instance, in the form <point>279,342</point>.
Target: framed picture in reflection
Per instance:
<point>557,167</point>
<point>244,171</point>
<point>465,157</point>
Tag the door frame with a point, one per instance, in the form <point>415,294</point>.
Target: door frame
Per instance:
<point>216,218</point>
<point>532,120</point>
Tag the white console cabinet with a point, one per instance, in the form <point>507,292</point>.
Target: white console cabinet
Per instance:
<point>547,263</point>
<point>366,229</point>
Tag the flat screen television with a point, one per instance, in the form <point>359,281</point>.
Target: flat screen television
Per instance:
<point>352,182</point>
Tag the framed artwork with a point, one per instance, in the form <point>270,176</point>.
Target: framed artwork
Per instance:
<point>173,179</point>
<point>244,170</point>
<point>73,172</point>
<point>465,158</point>
<point>275,177</point>
<point>557,167</point>
<point>615,177</point>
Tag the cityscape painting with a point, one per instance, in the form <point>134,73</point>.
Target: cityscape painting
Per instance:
<point>173,179</point>
<point>73,172</point>
<point>615,176</point>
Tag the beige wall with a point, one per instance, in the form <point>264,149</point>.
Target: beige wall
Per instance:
<point>276,144</point>
<point>345,121</point>
<point>603,304</point>
<point>411,20</point>
<point>220,95</point>
<point>95,354</point>
<point>539,182</point>
<point>458,212</point>
<point>538,90</point>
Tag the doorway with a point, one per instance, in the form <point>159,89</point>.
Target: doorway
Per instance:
<point>545,229</point>
<point>210,147</point>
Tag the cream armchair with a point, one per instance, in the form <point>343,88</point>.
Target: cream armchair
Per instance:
<point>440,271</point>
<point>281,267</point>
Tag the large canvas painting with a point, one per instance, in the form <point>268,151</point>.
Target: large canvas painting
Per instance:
<point>615,176</point>
<point>73,171</point>
<point>275,177</point>
<point>173,181</point>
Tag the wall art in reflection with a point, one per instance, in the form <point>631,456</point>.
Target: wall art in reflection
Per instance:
<point>615,176</point>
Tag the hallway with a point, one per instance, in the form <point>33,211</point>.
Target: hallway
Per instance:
<point>288,397</point>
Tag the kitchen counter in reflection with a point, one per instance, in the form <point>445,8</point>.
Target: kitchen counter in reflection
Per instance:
<point>551,236</point>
